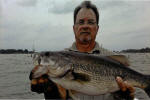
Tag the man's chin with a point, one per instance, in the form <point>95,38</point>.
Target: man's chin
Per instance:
<point>85,39</point>
<point>85,42</point>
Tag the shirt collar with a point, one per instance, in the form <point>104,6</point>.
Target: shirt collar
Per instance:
<point>95,50</point>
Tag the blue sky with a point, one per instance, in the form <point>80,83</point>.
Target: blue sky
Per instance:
<point>48,24</point>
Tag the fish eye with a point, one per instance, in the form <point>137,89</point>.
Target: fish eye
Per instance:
<point>39,61</point>
<point>47,54</point>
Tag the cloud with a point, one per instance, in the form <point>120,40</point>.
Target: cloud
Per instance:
<point>46,36</point>
<point>121,24</point>
<point>68,6</point>
<point>27,3</point>
<point>59,7</point>
<point>131,39</point>
<point>0,8</point>
<point>104,5</point>
<point>125,18</point>
<point>0,22</point>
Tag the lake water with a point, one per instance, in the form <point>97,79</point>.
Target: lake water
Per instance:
<point>15,69</point>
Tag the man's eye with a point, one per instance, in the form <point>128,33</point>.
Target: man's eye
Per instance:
<point>91,23</point>
<point>81,22</point>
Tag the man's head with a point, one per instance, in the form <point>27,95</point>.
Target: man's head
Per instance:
<point>86,18</point>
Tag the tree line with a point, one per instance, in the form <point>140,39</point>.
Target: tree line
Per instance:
<point>26,51</point>
<point>15,51</point>
<point>142,50</point>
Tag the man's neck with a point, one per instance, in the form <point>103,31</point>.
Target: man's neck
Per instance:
<point>85,47</point>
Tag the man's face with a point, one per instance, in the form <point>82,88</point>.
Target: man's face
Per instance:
<point>85,27</point>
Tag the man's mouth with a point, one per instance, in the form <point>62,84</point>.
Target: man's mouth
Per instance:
<point>84,32</point>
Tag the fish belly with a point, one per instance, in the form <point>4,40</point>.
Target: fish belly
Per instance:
<point>89,88</point>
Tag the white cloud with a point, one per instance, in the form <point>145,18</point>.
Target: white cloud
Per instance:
<point>60,7</point>
<point>0,9</point>
<point>120,24</point>
<point>28,3</point>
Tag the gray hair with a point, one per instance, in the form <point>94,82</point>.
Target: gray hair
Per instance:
<point>89,5</point>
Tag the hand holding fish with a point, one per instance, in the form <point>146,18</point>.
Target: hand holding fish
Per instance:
<point>46,86</point>
<point>126,90</point>
<point>41,84</point>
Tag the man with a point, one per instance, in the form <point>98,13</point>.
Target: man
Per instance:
<point>86,19</point>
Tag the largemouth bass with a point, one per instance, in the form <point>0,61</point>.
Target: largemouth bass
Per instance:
<point>86,73</point>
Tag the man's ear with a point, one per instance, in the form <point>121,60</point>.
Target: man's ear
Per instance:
<point>97,29</point>
<point>74,28</point>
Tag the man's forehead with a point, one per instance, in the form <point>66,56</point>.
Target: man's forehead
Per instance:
<point>85,13</point>
<point>86,18</point>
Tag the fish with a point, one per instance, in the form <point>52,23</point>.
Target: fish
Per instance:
<point>87,73</point>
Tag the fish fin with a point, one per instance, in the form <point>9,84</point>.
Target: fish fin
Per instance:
<point>80,77</point>
<point>69,76</point>
<point>73,91</point>
<point>120,58</point>
<point>62,92</point>
<point>72,94</point>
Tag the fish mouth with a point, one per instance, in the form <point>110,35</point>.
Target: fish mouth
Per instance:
<point>39,71</point>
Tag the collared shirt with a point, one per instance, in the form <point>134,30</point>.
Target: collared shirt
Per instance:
<point>96,50</point>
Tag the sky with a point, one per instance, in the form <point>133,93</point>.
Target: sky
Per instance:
<point>48,24</point>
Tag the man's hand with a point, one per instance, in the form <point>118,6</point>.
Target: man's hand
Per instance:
<point>46,86</point>
<point>126,90</point>
<point>41,84</point>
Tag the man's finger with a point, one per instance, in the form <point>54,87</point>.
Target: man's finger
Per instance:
<point>34,81</point>
<point>129,87</point>
<point>41,80</point>
<point>132,95</point>
<point>45,80</point>
<point>121,84</point>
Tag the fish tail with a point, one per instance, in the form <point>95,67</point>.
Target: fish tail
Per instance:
<point>147,89</point>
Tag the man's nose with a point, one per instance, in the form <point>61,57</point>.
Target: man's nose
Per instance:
<point>85,27</point>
